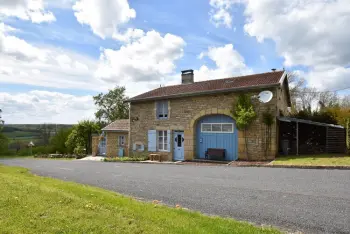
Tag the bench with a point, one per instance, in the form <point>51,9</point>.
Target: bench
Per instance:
<point>153,157</point>
<point>215,154</point>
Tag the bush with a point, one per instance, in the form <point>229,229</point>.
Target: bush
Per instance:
<point>55,156</point>
<point>125,159</point>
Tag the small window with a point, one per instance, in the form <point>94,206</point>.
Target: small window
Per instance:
<point>162,141</point>
<point>227,127</point>
<point>162,110</point>
<point>206,127</point>
<point>217,127</point>
<point>121,140</point>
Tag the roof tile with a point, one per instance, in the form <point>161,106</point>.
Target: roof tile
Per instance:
<point>263,79</point>
<point>121,125</point>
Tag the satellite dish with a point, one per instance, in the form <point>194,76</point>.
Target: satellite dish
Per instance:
<point>265,96</point>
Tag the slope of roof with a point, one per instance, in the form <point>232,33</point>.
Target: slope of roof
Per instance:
<point>120,125</point>
<point>220,85</point>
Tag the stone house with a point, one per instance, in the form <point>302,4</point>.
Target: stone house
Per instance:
<point>114,140</point>
<point>181,122</point>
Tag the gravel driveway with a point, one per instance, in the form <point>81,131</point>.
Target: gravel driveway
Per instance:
<point>312,201</point>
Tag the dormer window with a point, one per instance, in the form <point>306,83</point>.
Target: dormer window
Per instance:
<point>162,110</point>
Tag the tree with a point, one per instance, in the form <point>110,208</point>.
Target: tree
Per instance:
<point>295,86</point>
<point>328,100</point>
<point>80,138</point>
<point>2,122</point>
<point>45,132</point>
<point>58,141</point>
<point>244,114</point>
<point>111,106</point>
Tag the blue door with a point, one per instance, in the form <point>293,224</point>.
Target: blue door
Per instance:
<point>217,131</point>
<point>102,147</point>
<point>178,141</point>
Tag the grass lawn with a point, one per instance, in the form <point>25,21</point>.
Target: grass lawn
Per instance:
<point>314,160</point>
<point>33,204</point>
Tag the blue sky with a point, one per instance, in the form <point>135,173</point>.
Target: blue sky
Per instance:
<point>73,49</point>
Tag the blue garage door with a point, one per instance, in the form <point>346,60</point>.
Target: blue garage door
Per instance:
<point>217,131</point>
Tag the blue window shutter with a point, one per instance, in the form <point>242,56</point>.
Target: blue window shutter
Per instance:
<point>168,137</point>
<point>152,140</point>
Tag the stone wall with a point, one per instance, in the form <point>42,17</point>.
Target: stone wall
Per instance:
<point>113,146</point>
<point>94,142</point>
<point>184,114</point>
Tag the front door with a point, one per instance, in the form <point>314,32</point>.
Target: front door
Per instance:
<point>179,146</point>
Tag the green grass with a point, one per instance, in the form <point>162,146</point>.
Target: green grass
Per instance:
<point>33,204</point>
<point>314,160</point>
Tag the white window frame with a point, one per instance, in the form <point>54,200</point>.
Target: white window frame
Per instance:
<point>163,109</point>
<point>162,140</point>
<point>217,131</point>
<point>121,140</point>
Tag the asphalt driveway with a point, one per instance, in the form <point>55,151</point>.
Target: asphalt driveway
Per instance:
<point>312,201</point>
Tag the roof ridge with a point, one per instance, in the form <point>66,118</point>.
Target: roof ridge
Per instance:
<point>203,81</point>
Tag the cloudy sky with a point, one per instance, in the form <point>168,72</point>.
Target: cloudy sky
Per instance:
<point>55,55</point>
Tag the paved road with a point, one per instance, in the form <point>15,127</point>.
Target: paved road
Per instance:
<point>312,201</point>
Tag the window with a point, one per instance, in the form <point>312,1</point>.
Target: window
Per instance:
<point>121,140</point>
<point>162,110</point>
<point>217,127</point>
<point>162,141</point>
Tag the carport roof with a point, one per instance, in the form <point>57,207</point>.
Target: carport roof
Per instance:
<point>290,119</point>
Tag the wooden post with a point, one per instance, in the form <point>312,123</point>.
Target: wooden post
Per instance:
<point>297,138</point>
<point>326,139</point>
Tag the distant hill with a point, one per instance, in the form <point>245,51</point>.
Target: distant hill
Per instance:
<point>31,132</point>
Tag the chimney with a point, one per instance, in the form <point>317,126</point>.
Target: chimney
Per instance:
<point>187,77</point>
<point>273,69</point>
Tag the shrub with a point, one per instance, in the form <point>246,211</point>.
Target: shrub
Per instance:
<point>125,159</point>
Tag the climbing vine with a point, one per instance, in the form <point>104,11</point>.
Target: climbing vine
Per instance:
<point>268,120</point>
<point>244,114</point>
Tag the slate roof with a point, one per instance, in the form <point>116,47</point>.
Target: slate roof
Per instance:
<point>268,79</point>
<point>120,125</point>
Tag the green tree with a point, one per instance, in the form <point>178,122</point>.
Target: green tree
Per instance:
<point>111,106</point>
<point>244,114</point>
<point>80,138</point>
<point>2,122</point>
<point>3,139</point>
<point>58,141</point>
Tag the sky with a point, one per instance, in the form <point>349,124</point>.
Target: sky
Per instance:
<point>56,55</point>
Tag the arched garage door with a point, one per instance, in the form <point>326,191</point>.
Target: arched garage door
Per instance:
<point>216,131</point>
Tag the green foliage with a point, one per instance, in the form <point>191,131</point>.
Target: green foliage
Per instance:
<point>243,112</point>
<point>58,142</point>
<point>2,122</point>
<point>267,118</point>
<point>126,159</point>
<point>111,106</point>
<point>324,116</point>
<point>3,144</point>
<point>80,137</point>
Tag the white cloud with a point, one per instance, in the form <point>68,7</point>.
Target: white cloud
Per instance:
<point>33,10</point>
<point>228,63</point>
<point>311,33</point>
<point>131,34</point>
<point>24,63</point>
<point>220,13</point>
<point>45,107</point>
<point>103,16</point>
<point>147,59</point>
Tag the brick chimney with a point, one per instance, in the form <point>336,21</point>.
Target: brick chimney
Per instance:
<point>187,77</point>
